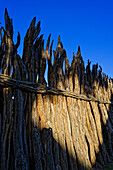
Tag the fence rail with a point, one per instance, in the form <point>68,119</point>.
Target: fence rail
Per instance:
<point>6,81</point>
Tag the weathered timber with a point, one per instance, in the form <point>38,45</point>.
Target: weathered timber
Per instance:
<point>60,121</point>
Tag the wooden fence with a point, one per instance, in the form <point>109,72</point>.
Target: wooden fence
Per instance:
<point>64,121</point>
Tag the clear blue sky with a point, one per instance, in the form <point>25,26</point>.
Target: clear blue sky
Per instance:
<point>88,23</point>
